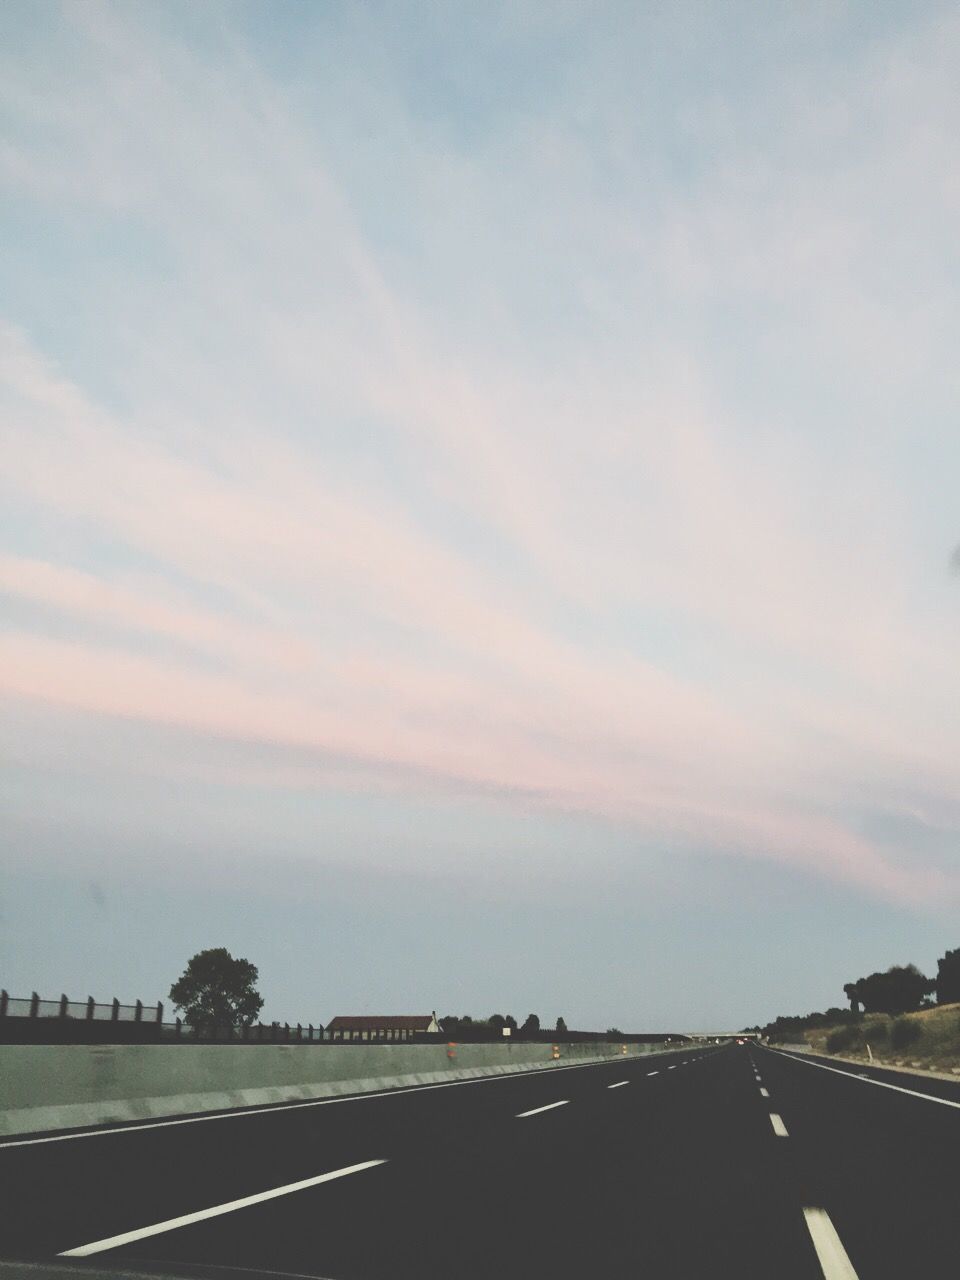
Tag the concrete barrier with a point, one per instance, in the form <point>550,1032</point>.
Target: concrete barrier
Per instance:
<point>58,1087</point>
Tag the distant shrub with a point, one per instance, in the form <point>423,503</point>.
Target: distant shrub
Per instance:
<point>905,1032</point>
<point>876,1033</point>
<point>842,1038</point>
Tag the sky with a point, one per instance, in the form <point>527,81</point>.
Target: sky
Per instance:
<point>478,502</point>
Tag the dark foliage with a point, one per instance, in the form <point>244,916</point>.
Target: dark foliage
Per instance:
<point>217,991</point>
<point>786,1028</point>
<point>948,978</point>
<point>905,1032</point>
<point>842,1038</point>
<point>876,1033</point>
<point>901,989</point>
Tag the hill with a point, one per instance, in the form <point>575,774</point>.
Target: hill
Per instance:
<point>928,1038</point>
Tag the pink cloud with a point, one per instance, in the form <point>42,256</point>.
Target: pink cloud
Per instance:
<point>613,492</point>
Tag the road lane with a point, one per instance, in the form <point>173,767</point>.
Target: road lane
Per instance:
<point>62,1193</point>
<point>679,1176</point>
<point>683,1174</point>
<point>882,1162</point>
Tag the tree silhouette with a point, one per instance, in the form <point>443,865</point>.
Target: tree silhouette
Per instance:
<point>217,991</point>
<point>948,978</point>
<point>900,989</point>
<point>561,1025</point>
<point>531,1026</point>
<point>853,992</point>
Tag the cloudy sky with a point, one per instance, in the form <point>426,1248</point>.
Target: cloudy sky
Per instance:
<point>479,491</point>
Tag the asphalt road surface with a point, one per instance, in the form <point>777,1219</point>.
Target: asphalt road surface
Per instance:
<point>675,1166</point>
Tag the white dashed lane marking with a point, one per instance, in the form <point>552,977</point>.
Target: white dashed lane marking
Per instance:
<point>618,1085</point>
<point>536,1110</point>
<point>171,1224</point>
<point>779,1128</point>
<point>830,1251</point>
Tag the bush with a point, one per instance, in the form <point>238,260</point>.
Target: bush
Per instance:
<point>905,1032</point>
<point>876,1033</point>
<point>842,1038</point>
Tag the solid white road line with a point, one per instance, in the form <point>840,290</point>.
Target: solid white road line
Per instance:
<point>279,1107</point>
<point>536,1110</point>
<point>618,1085</point>
<point>171,1224</point>
<point>833,1257</point>
<point>882,1084</point>
<point>764,1093</point>
<point>779,1128</point>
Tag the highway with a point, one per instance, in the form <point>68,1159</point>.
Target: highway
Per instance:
<point>715,1161</point>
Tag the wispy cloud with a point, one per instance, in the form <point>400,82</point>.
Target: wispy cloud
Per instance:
<point>608,517</point>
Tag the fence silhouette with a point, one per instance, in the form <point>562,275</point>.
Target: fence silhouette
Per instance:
<point>66,1021</point>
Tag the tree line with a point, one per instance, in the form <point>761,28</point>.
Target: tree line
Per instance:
<point>218,991</point>
<point>464,1026</point>
<point>897,990</point>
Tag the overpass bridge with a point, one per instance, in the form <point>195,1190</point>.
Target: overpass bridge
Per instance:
<point>722,1035</point>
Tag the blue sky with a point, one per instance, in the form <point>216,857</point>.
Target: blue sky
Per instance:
<point>478,489</point>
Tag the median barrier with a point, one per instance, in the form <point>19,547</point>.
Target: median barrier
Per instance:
<point>45,1087</point>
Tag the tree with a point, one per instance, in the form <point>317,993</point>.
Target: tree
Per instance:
<point>948,978</point>
<point>497,1021</point>
<point>510,1021</point>
<point>901,989</point>
<point>531,1026</point>
<point>561,1025</point>
<point>215,990</point>
<point>852,990</point>
<point>614,1033</point>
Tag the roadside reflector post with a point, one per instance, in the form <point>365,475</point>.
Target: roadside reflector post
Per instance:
<point>556,1051</point>
<point>451,1049</point>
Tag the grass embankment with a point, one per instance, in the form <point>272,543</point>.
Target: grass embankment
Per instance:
<point>929,1039</point>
